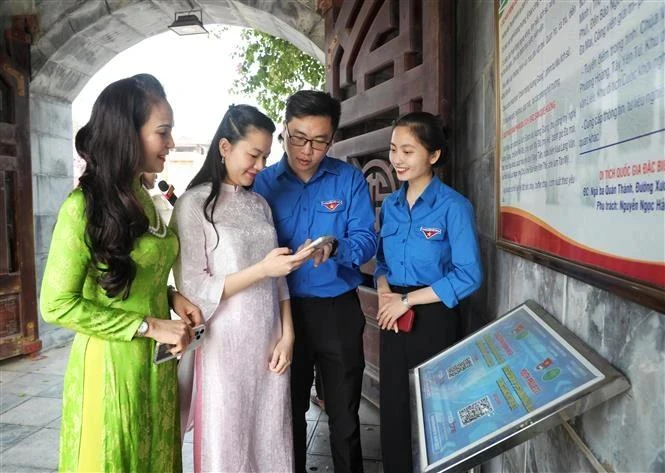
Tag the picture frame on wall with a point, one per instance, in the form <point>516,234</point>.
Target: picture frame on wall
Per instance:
<point>580,167</point>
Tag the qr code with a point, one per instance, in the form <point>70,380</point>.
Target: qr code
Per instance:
<point>475,410</point>
<point>459,367</point>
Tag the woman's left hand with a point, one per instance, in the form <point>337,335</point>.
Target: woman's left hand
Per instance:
<point>391,308</point>
<point>186,310</point>
<point>281,355</point>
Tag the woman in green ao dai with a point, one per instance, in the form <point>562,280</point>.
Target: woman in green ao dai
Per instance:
<point>106,279</point>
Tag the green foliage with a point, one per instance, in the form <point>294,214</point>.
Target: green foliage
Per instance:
<point>271,69</point>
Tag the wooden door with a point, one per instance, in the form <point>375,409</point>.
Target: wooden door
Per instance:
<point>385,58</point>
<point>18,304</point>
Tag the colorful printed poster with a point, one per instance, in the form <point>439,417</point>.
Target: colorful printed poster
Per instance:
<point>582,132</point>
<point>498,378</point>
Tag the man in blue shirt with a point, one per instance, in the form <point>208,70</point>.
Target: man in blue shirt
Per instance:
<point>312,195</point>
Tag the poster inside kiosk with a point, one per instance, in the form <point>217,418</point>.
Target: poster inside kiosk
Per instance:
<point>517,377</point>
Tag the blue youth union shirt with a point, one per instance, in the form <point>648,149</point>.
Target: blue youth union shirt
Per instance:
<point>335,202</point>
<point>432,244</point>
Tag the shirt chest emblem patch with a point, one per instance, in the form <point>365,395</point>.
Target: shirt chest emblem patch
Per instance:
<point>430,232</point>
<point>331,205</point>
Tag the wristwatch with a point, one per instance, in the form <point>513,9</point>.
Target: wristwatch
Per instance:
<point>143,329</point>
<point>405,300</point>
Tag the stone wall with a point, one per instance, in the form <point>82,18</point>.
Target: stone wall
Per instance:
<point>52,179</point>
<point>626,433</point>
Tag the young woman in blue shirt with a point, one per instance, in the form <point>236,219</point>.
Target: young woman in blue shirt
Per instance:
<point>427,259</point>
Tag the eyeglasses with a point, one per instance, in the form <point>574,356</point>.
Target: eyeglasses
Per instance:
<point>318,145</point>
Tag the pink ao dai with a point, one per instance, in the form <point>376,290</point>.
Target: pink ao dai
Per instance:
<point>240,410</point>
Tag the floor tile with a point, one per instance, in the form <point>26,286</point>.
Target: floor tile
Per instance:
<point>9,401</point>
<point>319,463</point>
<point>7,376</point>
<point>311,426</point>
<point>21,364</point>
<point>24,453</point>
<point>11,434</point>
<point>320,444</point>
<point>38,411</point>
<point>54,391</point>
<point>370,440</point>
<point>371,466</point>
<point>57,365</point>
<point>31,384</point>
<point>30,410</point>
<point>313,413</point>
<point>9,468</point>
<point>368,413</point>
<point>54,424</point>
<point>56,360</point>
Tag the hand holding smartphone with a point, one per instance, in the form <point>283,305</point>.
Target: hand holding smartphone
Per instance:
<point>162,350</point>
<point>319,242</point>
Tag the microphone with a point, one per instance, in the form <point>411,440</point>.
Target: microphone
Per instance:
<point>168,190</point>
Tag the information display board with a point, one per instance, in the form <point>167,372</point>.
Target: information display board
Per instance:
<point>581,133</point>
<point>511,380</point>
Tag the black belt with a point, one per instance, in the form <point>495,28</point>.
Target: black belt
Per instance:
<point>323,300</point>
<point>404,289</point>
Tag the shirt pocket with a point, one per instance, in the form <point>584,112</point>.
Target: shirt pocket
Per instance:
<point>429,245</point>
<point>282,216</point>
<point>330,215</point>
<point>282,212</point>
<point>389,229</point>
<point>393,246</point>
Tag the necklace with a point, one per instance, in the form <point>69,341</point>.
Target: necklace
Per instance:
<point>160,229</point>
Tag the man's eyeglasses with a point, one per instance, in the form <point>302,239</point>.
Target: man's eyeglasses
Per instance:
<point>318,145</point>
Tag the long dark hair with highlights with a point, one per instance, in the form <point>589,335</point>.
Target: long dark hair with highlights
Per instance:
<point>237,122</point>
<point>110,145</point>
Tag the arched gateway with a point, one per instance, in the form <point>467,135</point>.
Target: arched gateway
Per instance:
<point>50,51</point>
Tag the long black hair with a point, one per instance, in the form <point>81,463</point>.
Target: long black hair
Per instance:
<point>429,131</point>
<point>110,144</point>
<point>237,122</point>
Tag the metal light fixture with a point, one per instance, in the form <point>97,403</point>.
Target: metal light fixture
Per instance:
<point>187,22</point>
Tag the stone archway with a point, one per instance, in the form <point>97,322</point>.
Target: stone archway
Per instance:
<point>78,38</point>
<point>85,37</point>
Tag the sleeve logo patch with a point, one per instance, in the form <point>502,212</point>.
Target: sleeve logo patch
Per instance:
<point>331,204</point>
<point>430,232</point>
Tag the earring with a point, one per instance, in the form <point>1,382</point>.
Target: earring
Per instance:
<point>222,159</point>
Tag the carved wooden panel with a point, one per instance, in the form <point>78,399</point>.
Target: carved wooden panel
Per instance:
<point>18,300</point>
<point>385,58</point>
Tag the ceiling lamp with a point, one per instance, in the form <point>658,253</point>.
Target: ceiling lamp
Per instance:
<point>187,22</point>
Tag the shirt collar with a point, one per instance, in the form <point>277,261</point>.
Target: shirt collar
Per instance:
<point>326,165</point>
<point>428,196</point>
<point>283,166</point>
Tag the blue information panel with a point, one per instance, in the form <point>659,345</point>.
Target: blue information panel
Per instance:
<point>493,381</point>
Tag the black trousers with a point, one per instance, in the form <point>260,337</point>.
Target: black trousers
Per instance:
<point>329,333</point>
<point>435,328</point>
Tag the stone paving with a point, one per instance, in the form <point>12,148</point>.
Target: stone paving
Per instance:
<point>31,400</point>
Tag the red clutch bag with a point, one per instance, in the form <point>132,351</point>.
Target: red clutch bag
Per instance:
<point>405,322</point>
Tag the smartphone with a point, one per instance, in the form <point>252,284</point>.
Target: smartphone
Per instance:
<point>319,242</point>
<point>162,353</point>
